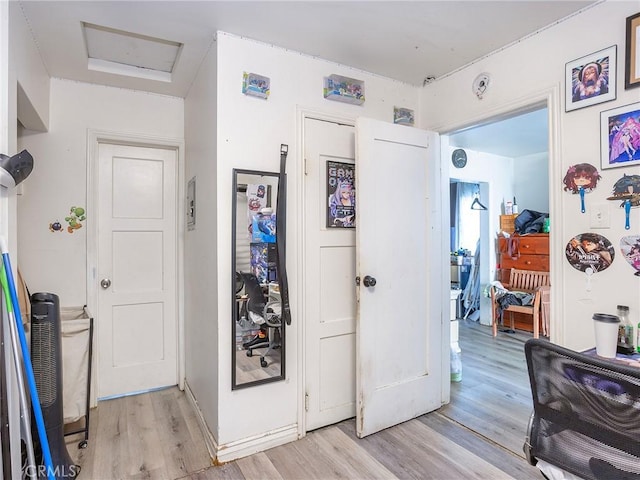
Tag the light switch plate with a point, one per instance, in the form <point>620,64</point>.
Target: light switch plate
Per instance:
<point>600,215</point>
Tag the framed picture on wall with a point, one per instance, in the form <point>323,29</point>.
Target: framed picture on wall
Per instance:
<point>591,79</point>
<point>341,195</point>
<point>620,136</point>
<point>632,53</point>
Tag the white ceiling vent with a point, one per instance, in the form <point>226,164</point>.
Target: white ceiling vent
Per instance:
<point>125,53</point>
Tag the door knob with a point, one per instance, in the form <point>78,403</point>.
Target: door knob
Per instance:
<point>105,283</point>
<point>369,281</point>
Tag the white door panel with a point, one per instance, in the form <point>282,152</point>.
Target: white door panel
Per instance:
<point>140,188</point>
<point>398,367</point>
<point>328,283</point>
<point>137,317</point>
<point>140,272</point>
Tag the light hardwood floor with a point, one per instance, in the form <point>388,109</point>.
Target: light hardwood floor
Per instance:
<point>494,397</point>
<point>156,436</point>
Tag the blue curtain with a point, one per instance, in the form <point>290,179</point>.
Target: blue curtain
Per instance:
<point>465,222</point>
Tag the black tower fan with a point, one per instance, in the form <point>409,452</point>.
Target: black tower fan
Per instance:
<point>46,358</point>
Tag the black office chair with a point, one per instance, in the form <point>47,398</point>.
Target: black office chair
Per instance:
<point>264,311</point>
<point>586,413</point>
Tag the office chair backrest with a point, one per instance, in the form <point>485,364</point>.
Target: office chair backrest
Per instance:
<point>257,301</point>
<point>586,412</point>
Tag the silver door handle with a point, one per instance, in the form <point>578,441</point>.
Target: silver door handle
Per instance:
<point>105,283</point>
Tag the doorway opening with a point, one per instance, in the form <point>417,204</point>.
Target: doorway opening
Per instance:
<point>508,160</point>
<point>507,164</point>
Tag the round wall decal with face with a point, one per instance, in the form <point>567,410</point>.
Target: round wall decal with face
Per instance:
<point>590,251</point>
<point>459,158</point>
<point>582,175</point>
<point>627,188</point>
<point>581,178</point>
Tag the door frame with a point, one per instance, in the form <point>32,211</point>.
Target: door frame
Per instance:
<point>8,219</point>
<point>302,115</point>
<point>551,98</point>
<point>94,138</point>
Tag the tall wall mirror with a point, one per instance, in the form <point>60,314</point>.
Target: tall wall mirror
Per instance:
<point>258,330</point>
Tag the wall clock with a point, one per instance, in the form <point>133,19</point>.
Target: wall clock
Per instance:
<point>459,158</point>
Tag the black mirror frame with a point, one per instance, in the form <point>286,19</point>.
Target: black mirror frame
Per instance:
<point>281,210</point>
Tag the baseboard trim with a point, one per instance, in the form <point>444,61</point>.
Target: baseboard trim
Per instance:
<point>258,443</point>
<point>243,447</point>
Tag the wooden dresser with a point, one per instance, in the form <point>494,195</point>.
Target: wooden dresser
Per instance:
<point>526,252</point>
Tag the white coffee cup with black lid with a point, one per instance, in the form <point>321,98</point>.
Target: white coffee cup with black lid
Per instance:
<point>606,329</point>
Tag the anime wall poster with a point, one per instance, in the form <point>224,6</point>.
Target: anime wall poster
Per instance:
<point>341,195</point>
<point>620,136</point>
<point>264,262</point>
<point>590,252</point>
<point>256,201</point>
<point>263,227</point>
<point>630,248</point>
<point>591,79</point>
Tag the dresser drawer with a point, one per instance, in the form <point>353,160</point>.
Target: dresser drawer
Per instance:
<point>526,245</point>
<point>539,263</point>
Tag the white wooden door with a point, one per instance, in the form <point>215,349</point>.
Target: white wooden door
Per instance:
<point>398,344</point>
<point>329,287</point>
<point>136,318</point>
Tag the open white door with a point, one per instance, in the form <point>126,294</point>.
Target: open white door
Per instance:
<point>399,325</point>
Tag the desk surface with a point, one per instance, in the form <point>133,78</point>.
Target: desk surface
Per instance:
<point>632,360</point>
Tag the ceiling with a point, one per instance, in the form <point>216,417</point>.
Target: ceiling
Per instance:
<point>404,40</point>
<point>407,41</point>
<point>519,136</point>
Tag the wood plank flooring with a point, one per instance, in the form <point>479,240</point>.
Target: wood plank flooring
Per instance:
<point>156,435</point>
<point>248,369</point>
<point>494,397</point>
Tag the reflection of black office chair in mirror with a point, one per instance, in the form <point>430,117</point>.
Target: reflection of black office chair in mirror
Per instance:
<point>263,310</point>
<point>239,283</point>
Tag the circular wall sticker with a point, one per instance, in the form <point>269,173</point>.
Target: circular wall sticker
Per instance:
<point>582,175</point>
<point>627,188</point>
<point>590,250</point>
<point>630,248</point>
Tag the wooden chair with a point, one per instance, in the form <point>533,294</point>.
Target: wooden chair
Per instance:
<point>527,281</point>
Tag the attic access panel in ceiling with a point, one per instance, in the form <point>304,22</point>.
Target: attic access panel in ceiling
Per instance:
<point>131,54</point>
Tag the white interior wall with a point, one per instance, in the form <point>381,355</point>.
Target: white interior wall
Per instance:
<point>25,66</point>
<point>56,261</point>
<point>533,69</point>
<point>250,131</point>
<point>201,244</point>
<point>531,182</point>
<point>31,74</point>
<point>495,170</point>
